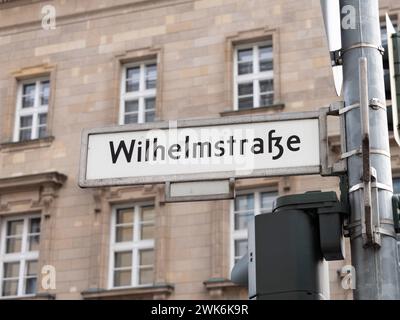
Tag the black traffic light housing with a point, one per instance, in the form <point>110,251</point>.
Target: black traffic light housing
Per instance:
<point>287,248</point>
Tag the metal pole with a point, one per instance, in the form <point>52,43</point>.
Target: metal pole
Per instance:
<point>374,256</point>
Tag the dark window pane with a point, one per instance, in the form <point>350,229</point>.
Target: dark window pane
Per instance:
<point>266,100</point>
<point>151,76</point>
<point>29,89</point>
<point>28,95</point>
<point>146,257</point>
<point>133,73</point>
<point>10,288</point>
<point>31,268</point>
<point>147,214</point>
<point>150,116</point>
<point>13,245</point>
<point>125,216</point>
<point>245,55</point>
<point>146,276</point>
<point>240,248</point>
<point>14,228</point>
<point>245,89</point>
<point>25,134</point>
<point>147,232</point>
<point>245,61</point>
<point>131,106</point>
<point>34,225</point>
<point>150,103</point>
<point>266,86</point>
<point>244,202</point>
<point>122,278</point>
<point>11,270</point>
<point>30,285</point>
<point>42,132</point>
<point>26,122</point>
<point>28,102</point>
<point>266,65</point>
<point>245,68</point>
<point>34,243</point>
<point>132,79</point>
<point>396,186</point>
<point>124,234</point>
<point>266,53</point>
<point>267,200</point>
<point>241,220</point>
<point>131,118</point>
<point>45,93</point>
<point>123,259</point>
<point>43,119</point>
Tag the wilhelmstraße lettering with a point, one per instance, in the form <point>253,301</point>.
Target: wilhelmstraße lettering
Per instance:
<point>150,149</point>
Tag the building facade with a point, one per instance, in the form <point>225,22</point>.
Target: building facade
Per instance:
<point>71,65</point>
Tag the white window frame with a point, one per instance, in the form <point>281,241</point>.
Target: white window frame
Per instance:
<point>254,77</point>
<point>35,111</point>
<point>243,233</point>
<point>134,246</point>
<point>21,257</point>
<point>141,95</point>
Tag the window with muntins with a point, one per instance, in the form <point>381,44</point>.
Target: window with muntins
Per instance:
<point>138,93</point>
<point>132,246</point>
<point>253,76</point>
<point>32,109</point>
<point>245,206</point>
<point>19,253</point>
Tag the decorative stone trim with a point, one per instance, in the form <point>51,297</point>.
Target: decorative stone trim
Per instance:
<point>216,286</point>
<point>44,185</point>
<point>25,145</point>
<point>266,109</point>
<point>156,292</point>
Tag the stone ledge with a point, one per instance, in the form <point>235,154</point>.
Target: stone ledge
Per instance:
<point>219,283</point>
<point>160,291</point>
<point>50,179</point>
<point>39,296</point>
<point>24,145</point>
<point>266,109</point>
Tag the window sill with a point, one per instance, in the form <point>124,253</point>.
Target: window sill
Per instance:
<point>156,292</point>
<point>29,144</point>
<point>39,296</point>
<point>216,286</point>
<point>271,108</point>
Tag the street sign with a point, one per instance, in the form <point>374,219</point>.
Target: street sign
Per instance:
<point>331,16</point>
<point>200,190</point>
<point>203,150</point>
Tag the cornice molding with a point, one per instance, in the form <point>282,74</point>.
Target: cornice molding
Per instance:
<point>48,179</point>
<point>84,16</point>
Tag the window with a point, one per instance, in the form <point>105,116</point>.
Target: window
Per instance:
<point>132,246</point>
<point>138,93</point>
<point>245,206</point>
<point>396,185</point>
<point>32,109</point>
<point>254,76</point>
<point>386,55</point>
<point>19,256</point>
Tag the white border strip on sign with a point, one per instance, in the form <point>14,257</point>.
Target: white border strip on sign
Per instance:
<point>181,124</point>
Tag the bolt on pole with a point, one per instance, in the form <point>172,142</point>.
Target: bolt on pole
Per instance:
<point>373,240</point>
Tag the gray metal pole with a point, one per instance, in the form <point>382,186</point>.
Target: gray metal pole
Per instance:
<point>377,270</point>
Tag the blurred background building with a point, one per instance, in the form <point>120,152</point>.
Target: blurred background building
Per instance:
<point>115,62</point>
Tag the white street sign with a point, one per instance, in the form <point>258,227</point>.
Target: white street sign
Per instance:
<point>199,150</point>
